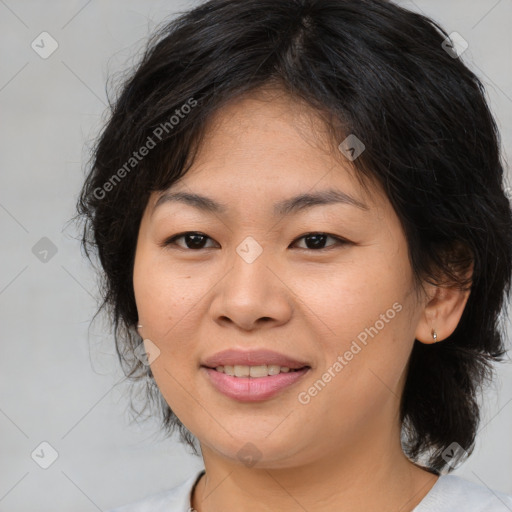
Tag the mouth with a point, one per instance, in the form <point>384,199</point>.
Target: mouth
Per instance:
<point>255,372</point>
<point>252,363</point>
<point>252,376</point>
<point>253,383</point>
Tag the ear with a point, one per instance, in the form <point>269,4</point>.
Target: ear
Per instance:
<point>442,312</point>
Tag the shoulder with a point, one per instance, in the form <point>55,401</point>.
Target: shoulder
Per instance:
<point>176,499</point>
<point>452,492</point>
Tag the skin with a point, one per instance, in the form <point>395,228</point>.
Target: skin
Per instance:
<point>340,451</point>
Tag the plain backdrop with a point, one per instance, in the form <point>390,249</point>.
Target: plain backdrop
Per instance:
<point>61,383</point>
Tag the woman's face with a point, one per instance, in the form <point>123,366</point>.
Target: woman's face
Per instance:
<point>345,307</point>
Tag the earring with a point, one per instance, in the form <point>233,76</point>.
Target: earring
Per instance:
<point>434,335</point>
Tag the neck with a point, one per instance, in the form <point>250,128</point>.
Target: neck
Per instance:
<point>375,475</point>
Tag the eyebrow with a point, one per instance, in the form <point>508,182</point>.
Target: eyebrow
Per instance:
<point>284,207</point>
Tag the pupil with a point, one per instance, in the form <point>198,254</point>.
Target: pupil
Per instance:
<point>197,241</point>
<point>317,243</point>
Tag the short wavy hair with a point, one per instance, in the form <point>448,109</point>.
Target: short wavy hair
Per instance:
<point>369,68</point>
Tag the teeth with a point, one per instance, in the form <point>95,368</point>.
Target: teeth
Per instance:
<point>253,371</point>
<point>241,371</point>
<point>273,369</point>
<point>259,371</point>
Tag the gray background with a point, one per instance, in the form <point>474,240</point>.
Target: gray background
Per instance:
<point>60,379</point>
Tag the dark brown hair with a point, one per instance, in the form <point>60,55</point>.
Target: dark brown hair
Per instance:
<point>381,72</point>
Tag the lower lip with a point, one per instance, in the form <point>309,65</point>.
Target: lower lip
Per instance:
<point>252,389</point>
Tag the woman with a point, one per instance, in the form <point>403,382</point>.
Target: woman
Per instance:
<point>299,213</point>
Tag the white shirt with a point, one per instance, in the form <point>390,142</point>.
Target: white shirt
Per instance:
<point>450,493</point>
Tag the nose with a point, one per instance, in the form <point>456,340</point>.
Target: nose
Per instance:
<point>252,295</point>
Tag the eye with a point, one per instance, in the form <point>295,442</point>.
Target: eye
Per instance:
<point>193,240</point>
<point>316,241</point>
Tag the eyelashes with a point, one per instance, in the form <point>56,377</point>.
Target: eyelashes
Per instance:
<point>195,236</point>
<point>314,241</point>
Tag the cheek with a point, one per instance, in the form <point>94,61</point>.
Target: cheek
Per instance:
<point>346,299</point>
<point>368,311</point>
<point>165,302</point>
<point>163,295</point>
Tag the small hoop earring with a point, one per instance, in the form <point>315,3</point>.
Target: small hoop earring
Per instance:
<point>434,335</point>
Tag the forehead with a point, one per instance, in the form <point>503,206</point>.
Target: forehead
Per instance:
<point>267,139</point>
<point>268,121</point>
<point>267,157</point>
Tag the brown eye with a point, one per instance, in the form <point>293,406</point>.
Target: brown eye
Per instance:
<point>192,240</point>
<point>317,241</point>
<point>195,241</point>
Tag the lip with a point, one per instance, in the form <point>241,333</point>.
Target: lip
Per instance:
<point>232,357</point>
<point>250,389</point>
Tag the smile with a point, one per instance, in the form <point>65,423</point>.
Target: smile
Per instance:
<point>243,386</point>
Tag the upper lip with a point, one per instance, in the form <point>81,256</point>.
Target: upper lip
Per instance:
<point>234,357</point>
